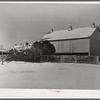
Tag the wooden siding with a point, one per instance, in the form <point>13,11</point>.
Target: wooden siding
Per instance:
<point>80,45</point>
<point>95,43</point>
<point>72,46</point>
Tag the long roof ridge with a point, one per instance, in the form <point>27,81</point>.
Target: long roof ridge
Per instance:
<point>73,29</point>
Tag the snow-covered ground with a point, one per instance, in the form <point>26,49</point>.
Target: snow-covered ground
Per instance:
<point>49,75</point>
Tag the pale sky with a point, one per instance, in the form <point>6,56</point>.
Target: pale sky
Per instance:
<point>20,23</point>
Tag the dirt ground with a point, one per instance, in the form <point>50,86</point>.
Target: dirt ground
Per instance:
<point>49,75</point>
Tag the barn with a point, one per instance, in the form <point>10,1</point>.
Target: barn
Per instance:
<point>78,41</point>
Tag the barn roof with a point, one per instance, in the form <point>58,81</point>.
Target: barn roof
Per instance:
<point>73,34</point>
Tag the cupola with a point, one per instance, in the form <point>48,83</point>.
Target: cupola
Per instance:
<point>70,28</point>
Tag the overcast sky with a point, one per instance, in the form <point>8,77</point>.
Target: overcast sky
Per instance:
<point>20,23</point>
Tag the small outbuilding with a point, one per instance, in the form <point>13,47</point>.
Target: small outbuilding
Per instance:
<point>79,41</point>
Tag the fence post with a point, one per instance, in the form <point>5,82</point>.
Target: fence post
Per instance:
<point>2,59</point>
<point>75,59</point>
<point>97,60</point>
<point>88,59</point>
<point>40,58</point>
<point>61,60</point>
<point>47,58</point>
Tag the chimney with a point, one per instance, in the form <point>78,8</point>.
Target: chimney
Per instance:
<point>50,31</point>
<point>93,25</point>
<point>70,28</point>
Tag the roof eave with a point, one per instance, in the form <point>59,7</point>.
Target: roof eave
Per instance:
<point>70,39</point>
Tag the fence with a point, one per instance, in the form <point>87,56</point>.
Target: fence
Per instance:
<point>70,59</point>
<point>64,58</point>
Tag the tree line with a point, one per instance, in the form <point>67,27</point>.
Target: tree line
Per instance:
<point>30,53</point>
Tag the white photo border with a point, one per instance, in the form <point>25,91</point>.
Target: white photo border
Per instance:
<point>46,93</point>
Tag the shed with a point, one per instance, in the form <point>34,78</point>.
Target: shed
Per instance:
<point>78,41</point>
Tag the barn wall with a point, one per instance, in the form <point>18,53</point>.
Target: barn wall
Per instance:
<point>72,46</point>
<point>95,43</point>
<point>81,45</point>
